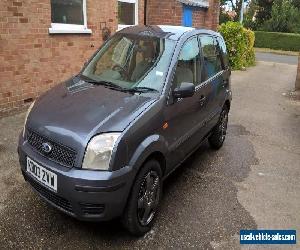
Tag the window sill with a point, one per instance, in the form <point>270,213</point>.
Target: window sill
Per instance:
<point>69,31</point>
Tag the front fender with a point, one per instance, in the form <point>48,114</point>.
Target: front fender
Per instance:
<point>153,143</point>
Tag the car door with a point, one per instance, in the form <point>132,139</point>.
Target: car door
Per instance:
<point>226,72</point>
<point>185,116</point>
<point>212,75</point>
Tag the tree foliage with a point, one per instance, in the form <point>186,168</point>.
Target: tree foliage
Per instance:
<point>296,3</point>
<point>273,15</point>
<point>263,11</point>
<point>252,10</point>
<point>285,17</point>
<point>267,15</point>
<point>235,5</point>
<point>224,17</point>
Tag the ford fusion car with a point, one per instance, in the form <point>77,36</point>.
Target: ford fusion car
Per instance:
<point>99,145</point>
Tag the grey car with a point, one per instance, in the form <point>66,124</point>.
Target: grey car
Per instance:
<point>99,145</point>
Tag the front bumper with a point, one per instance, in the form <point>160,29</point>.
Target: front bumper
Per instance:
<point>84,194</point>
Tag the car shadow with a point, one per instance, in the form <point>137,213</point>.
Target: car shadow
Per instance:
<point>200,208</point>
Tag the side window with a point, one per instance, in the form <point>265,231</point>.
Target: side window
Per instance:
<point>218,55</point>
<point>188,64</point>
<point>211,55</point>
<point>222,45</point>
<point>223,51</point>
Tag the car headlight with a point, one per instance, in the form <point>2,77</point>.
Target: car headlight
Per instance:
<point>99,150</point>
<point>26,116</point>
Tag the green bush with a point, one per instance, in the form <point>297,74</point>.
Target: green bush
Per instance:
<point>250,53</point>
<point>275,40</point>
<point>239,42</point>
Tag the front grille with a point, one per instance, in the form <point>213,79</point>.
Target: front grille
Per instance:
<point>51,196</point>
<point>92,209</point>
<point>59,153</point>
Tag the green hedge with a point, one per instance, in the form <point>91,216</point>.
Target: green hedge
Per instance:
<point>239,42</point>
<point>276,40</point>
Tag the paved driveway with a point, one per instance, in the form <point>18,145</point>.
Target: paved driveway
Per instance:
<point>252,182</point>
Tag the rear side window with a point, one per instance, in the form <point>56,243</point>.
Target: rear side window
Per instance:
<point>211,56</point>
<point>188,64</point>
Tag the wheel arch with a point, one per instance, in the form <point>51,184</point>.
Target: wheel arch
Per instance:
<point>153,147</point>
<point>160,157</point>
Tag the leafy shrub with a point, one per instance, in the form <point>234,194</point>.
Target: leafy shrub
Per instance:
<point>239,42</point>
<point>250,53</point>
<point>275,40</point>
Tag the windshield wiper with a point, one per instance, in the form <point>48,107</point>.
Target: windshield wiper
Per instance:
<point>101,82</point>
<point>117,87</point>
<point>86,79</point>
<point>143,89</point>
<point>90,80</point>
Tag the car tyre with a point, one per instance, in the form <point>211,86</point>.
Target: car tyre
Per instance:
<point>217,137</point>
<point>144,199</point>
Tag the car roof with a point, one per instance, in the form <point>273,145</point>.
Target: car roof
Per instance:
<point>165,31</point>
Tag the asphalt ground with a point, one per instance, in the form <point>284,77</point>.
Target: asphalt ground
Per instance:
<point>272,57</point>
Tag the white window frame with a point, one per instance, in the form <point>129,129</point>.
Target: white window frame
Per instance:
<point>136,2</point>
<point>63,28</point>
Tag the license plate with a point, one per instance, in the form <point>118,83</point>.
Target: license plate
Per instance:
<point>41,174</point>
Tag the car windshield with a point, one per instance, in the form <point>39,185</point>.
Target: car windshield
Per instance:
<point>132,62</point>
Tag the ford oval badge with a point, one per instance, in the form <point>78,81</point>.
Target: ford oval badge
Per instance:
<point>46,147</point>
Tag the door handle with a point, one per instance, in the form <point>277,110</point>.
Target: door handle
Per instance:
<point>202,100</point>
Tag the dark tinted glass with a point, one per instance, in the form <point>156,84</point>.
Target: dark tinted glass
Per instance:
<point>67,11</point>
<point>188,63</point>
<point>211,55</point>
<point>126,13</point>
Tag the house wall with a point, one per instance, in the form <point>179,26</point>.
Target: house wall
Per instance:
<point>32,60</point>
<point>170,12</point>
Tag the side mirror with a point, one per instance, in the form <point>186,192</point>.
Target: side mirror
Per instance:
<point>186,89</point>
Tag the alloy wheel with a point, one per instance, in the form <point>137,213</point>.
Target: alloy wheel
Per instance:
<point>148,197</point>
<point>223,125</point>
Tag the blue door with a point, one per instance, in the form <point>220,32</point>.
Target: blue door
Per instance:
<point>187,17</point>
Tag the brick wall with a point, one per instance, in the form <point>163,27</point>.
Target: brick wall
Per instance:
<point>141,12</point>
<point>170,12</point>
<point>32,60</point>
<point>164,12</point>
<point>212,15</point>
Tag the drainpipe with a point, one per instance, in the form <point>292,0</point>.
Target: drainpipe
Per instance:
<point>145,12</point>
